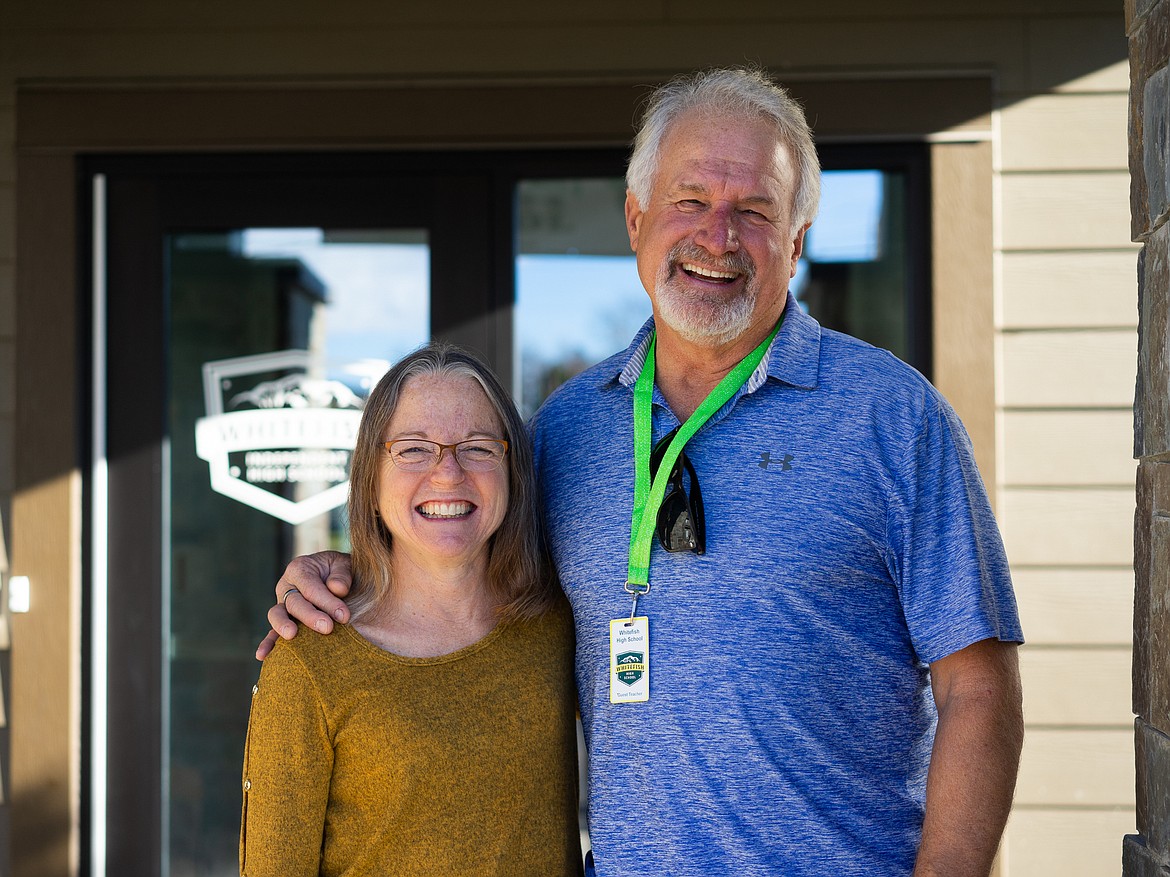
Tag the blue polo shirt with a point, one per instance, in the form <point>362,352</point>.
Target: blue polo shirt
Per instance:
<point>850,544</point>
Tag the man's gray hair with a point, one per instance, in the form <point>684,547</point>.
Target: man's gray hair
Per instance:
<point>744,91</point>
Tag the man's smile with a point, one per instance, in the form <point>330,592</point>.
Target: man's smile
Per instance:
<point>699,271</point>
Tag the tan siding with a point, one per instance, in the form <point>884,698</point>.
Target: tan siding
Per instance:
<point>7,377</point>
<point>1075,606</point>
<point>7,222</point>
<point>1069,369</point>
<point>226,16</point>
<point>834,10</point>
<point>1066,843</point>
<point>1068,447</point>
<point>1065,132</point>
<point>7,141</point>
<point>964,316</point>
<point>7,299</point>
<point>1069,289</point>
<point>1063,49</point>
<point>1077,767</point>
<point>1076,687</point>
<point>7,455</point>
<point>1068,527</point>
<point>1066,211</point>
<point>475,49</point>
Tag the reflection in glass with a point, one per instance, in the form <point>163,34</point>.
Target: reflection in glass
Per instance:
<point>854,273</point>
<point>285,323</point>
<point>579,299</point>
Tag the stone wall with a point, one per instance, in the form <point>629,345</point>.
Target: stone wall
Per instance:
<point>1148,25</point>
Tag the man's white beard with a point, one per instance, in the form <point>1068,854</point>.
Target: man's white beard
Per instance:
<point>705,319</point>
<point>702,320</point>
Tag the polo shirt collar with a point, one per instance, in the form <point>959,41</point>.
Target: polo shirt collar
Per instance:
<point>794,357</point>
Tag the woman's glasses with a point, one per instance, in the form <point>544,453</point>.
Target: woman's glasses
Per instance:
<point>472,455</point>
<point>680,525</point>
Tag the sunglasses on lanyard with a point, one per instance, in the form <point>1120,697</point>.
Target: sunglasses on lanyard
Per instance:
<point>680,525</point>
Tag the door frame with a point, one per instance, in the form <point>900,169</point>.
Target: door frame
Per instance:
<point>60,123</point>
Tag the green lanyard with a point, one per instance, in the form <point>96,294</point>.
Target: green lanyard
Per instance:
<point>648,496</point>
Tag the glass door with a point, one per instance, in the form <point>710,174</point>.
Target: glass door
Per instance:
<point>276,336</point>
<point>251,302</point>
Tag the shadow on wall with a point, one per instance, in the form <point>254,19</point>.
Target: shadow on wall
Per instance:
<point>37,818</point>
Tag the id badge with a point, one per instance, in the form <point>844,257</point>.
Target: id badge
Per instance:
<point>629,660</point>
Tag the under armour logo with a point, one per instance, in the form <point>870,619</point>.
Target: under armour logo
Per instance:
<point>784,464</point>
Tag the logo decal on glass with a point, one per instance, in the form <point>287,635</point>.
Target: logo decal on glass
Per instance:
<point>276,438</point>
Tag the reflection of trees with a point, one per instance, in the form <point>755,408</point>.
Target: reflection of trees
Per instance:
<point>608,330</point>
<point>541,376</point>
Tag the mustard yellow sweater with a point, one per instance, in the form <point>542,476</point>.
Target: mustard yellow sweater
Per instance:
<point>361,762</point>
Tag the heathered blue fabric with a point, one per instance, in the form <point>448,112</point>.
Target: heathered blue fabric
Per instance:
<point>849,544</point>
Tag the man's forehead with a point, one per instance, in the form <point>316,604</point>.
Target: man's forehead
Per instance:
<point>701,146</point>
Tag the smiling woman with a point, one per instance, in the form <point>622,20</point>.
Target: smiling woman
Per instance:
<point>408,732</point>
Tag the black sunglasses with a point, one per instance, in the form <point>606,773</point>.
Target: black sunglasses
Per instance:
<point>680,525</point>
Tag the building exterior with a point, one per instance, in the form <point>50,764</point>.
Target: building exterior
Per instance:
<point>123,118</point>
<point>1148,851</point>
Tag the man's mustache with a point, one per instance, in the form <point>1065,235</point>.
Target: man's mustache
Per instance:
<point>738,262</point>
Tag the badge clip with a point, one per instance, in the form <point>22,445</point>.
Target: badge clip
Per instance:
<point>637,589</point>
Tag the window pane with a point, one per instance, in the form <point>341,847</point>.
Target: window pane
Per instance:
<point>854,273</point>
<point>276,337</point>
<point>578,297</point>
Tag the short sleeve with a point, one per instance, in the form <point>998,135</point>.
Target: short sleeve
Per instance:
<point>951,567</point>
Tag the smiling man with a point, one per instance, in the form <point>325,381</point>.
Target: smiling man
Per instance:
<point>847,604</point>
<point>796,668</point>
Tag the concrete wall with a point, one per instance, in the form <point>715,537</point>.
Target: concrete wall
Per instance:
<point>1056,328</point>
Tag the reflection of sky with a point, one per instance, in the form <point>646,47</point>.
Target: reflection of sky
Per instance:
<point>848,227</point>
<point>568,306</point>
<point>586,305</point>
<point>378,293</point>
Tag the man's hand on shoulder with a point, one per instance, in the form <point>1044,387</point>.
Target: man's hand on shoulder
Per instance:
<point>310,591</point>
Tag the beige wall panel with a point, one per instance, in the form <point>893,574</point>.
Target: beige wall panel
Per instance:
<point>1077,687</point>
<point>1077,767</point>
<point>8,65</point>
<point>1073,289</point>
<point>1066,843</point>
<point>835,9</point>
<point>7,299</point>
<point>7,137</point>
<point>1069,369</point>
<point>521,50</point>
<point>23,13</point>
<point>1088,527</point>
<point>44,784</point>
<point>1068,448</point>
<point>1065,211</point>
<point>7,457</point>
<point>1075,606</point>
<point>7,376</point>
<point>224,15</point>
<point>961,274</point>
<point>7,222</point>
<point>1065,132</point>
<point>1079,53</point>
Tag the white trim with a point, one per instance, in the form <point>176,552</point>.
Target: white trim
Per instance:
<point>99,546</point>
<point>164,577</point>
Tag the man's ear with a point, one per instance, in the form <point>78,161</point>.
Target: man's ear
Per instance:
<point>633,219</point>
<point>798,247</point>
